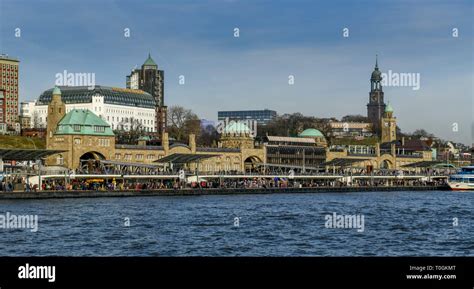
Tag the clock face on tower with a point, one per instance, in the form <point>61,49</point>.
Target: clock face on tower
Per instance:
<point>373,98</point>
<point>386,124</point>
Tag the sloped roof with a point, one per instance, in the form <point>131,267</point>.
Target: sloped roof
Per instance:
<point>26,154</point>
<point>185,158</point>
<point>410,144</point>
<point>341,162</point>
<point>149,61</point>
<point>83,122</point>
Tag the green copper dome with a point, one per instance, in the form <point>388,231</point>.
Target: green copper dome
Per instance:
<point>311,132</point>
<point>150,61</point>
<point>376,74</point>
<point>56,90</point>
<point>388,108</point>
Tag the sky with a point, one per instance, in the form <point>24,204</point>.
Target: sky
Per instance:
<point>277,39</point>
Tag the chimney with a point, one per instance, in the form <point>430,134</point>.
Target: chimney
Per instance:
<point>377,149</point>
<point>403,141</point>
<point>192,142</point>
<point>165,142</point>
<point>393,149</point>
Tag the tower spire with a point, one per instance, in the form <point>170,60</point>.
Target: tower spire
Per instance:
<point>376,62</point>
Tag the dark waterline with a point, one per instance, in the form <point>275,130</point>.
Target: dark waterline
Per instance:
<point>396,224</point>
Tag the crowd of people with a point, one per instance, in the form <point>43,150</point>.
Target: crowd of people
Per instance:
<point>62,184</point>
<point>343,177</point>
<point>11,184</point>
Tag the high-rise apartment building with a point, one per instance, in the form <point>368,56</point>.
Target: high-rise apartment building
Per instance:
<point>262,117</point>
<point>150,79</point>
<point>9,85</point>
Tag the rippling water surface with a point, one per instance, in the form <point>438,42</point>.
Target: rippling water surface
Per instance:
<point>396,224</point>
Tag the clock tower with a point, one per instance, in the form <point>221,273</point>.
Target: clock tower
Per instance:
<point>388,125</point>
<point>56,111</point>
<point>376,105</point>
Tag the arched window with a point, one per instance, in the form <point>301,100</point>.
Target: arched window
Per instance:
<point>60,159</point>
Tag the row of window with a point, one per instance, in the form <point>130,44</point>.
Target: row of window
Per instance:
<point>128,157</point>
<point>10,66</point>
<point>10,90</point>
<point>10,74</point>
<point>129,112</point>
<point>9,81</point>
<point>11,102</point>
<point>99,129</point>
<point>11,110</point>
<point>462,180</point>
<point>125,127</point>
<point>126,119</point>
<point>103,142</point>
<point>218,167</point>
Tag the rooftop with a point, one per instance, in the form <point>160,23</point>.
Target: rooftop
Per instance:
<point>287,139</point>
<point>149,61</point>
<point>311,132</point>
<point>112,95</point>
<point>83,122</point>
<point>185,158</point>
<point>9,58</point>
<point>26,154</point>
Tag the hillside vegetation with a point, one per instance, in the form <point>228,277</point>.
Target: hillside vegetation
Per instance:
<point>21,142</point>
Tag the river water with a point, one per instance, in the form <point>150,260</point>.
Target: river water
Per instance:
<point>430,223</point>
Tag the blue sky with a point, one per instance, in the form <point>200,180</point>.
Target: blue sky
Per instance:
<point>277,39</point>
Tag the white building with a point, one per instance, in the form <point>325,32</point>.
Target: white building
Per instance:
<point>134,79</point>
<point>122,108</point>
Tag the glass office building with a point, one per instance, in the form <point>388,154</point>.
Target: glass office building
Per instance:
<point>261,116</point>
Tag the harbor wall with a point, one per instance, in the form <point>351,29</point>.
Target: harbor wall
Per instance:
<point>197,192</point>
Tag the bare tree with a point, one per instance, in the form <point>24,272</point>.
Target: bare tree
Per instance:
<point>182,122</point>
<point>422,133</point>
<point>208,136</point>
<point>35,120</point>
<point>293,124</point>
<point>355,118</point>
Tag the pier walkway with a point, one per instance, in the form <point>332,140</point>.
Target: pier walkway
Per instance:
<point>207,191</point>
